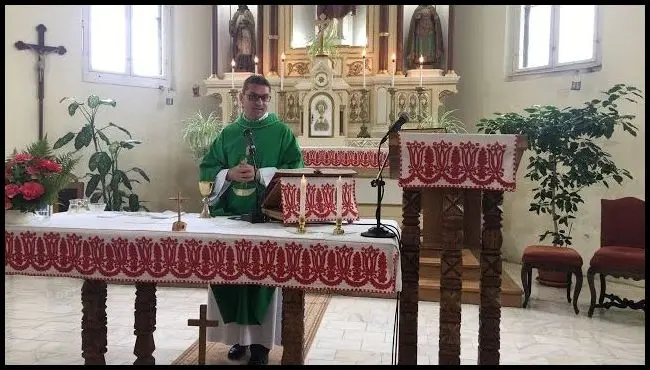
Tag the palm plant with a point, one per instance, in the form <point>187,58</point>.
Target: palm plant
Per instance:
<point>200,131</point>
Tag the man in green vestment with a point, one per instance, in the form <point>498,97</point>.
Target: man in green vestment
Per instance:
<point>249,315</point>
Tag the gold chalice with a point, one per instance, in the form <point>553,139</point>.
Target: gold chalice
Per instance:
<point>205,187</point>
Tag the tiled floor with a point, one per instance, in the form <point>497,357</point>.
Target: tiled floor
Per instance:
<point>42,326</point>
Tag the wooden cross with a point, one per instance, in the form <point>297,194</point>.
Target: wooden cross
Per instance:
<point>203,323</point>
<point>178,225</point>
<point>41,50</point>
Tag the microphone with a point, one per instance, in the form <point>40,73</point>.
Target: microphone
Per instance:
<point>403,118</point>
<point>248,134</point>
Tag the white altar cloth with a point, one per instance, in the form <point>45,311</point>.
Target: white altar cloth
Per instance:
<point>140,247</point>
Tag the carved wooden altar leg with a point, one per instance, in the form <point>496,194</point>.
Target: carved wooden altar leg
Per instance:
<point>145,323</point>
<point>451,277</point>
<point>293,326</point>
<point>93,322</point>
<point>410,260</point>
<point>489,317</point>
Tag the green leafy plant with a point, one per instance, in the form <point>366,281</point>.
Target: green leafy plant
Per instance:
<point>106,180</point>
<point>330,43</point>
<point>566,157</point>
<point>200,131</point>
<point>445,120</point>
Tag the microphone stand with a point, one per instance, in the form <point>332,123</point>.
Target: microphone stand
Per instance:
<point>378,231</point>
<point>255,216</point>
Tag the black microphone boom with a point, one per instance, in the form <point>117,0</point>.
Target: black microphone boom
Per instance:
<point>403,118</point>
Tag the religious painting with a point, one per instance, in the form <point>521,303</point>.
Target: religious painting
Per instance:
<point>321,113</point>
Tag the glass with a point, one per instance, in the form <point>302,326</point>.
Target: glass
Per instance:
<point>108,38</point>
<point>535,36</point>
<point>146,29</point>
<point>254,97</point>
<point>576,33</point>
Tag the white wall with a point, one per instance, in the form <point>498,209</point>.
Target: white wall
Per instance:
<point>479,56</point>
<point>142,111</point>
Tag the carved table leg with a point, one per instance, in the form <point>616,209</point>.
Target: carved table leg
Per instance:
<point>145,323</point>
<point>489,317</point>
<point>410,263</point>
<point>451,277</point>
<point>293,326</point>
<point>93,322</point>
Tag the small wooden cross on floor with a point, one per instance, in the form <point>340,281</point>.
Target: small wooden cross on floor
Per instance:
<point>203,323</point>
<point>179,225</point>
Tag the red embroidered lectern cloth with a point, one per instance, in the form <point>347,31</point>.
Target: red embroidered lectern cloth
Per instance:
<point>458,160</point>
<point>138,247</point>
<point>320,202</point>
<point>343,157</point>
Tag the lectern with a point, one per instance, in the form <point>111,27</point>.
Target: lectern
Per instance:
<point>453,164</point>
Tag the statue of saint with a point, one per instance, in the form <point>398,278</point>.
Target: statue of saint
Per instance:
<point>242,31</point>
<point>425,39</point>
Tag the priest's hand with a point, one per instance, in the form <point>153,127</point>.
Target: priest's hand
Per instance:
<point>241,173</point>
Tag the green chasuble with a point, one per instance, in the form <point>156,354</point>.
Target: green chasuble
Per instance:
<point>276,147</point>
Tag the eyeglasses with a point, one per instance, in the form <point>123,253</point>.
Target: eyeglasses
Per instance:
<point>254,97</point>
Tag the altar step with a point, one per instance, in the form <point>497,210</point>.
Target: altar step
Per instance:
<point>429,285</point>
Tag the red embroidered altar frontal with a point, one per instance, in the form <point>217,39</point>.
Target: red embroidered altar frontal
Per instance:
<point>458,160</point>
<point>343,157</point>
<point>137,247</point>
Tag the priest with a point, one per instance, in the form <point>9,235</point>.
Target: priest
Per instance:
<point>249,315</point>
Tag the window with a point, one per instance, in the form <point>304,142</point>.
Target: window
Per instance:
<point>127,44</point>
<point>550,38</point>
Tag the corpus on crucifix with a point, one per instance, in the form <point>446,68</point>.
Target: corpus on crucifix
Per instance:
<point>322,23</point>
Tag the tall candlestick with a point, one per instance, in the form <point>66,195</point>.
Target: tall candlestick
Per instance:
<point>303,196</point>
<point>339,198</point>
<point>421,63</point>
<point>282,72</point>
<point>256,61</point>
<point>232,74</point>
<point>392,82</point>
<point>363,56</point>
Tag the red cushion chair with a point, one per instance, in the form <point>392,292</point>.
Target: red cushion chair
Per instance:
<point>621,252</point>
<point>552,259</point>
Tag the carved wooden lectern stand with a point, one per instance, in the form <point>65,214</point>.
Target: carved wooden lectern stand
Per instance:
<point>451,165</point>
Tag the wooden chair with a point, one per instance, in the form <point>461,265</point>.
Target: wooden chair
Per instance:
<point>74,190</point>
<point>622,250</point>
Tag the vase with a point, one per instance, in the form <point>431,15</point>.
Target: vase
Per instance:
<point>14,217</point>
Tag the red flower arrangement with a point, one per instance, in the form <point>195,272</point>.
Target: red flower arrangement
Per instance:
<point>33,178</point>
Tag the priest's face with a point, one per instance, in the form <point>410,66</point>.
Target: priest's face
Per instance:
<point>255,101</point>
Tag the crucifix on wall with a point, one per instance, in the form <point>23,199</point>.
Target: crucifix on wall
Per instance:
<point>41,50</point>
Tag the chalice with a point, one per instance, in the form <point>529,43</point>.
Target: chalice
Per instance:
<point>205,187</point>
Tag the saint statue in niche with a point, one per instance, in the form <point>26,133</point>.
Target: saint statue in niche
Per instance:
<point>242,31</point>
<point>424,39</point>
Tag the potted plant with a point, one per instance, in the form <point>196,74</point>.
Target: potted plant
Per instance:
<point>566,156</point>
<point>34,178</point>
<point>108,182</point>
<point>446,120</point>
<point>199,131</point>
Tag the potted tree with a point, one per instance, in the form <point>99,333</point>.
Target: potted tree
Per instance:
<point>566,156</point>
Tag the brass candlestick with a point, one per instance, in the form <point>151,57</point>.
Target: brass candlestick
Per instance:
<point>301,225</point>
<point>420,92</point>
<point>205,187</point>
<point>338,230</point>
<point>391,116</point>
<point>282,106</point>
<point>363,133</point>
<point>234,104</point>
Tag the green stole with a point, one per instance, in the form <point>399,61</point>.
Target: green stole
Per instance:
<point>276,147</point>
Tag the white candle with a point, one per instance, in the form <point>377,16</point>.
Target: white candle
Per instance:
<point>392,82</point>
<point>421,62</point>
<point>363,56</point>
<point>232,73</point>
<point>339,198</point>
<point>256,61</point>
<point>303,196</point>
<point>282,72</point>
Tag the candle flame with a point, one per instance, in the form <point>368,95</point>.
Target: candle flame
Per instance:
<point>421,59</point>
<point>363,53</point>
<point>232,63</point>
<point>394,57</point>
<point>255,59</point>
<point>283,57</point>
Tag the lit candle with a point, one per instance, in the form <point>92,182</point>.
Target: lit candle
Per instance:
<point>256,61</point>
<point>363,56</point>
<point>303,196</point>
<point>282,72</point>
<point>392,82</point>
<point>232,74</point>
<point>421,63</point>
<point>339,198</point>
